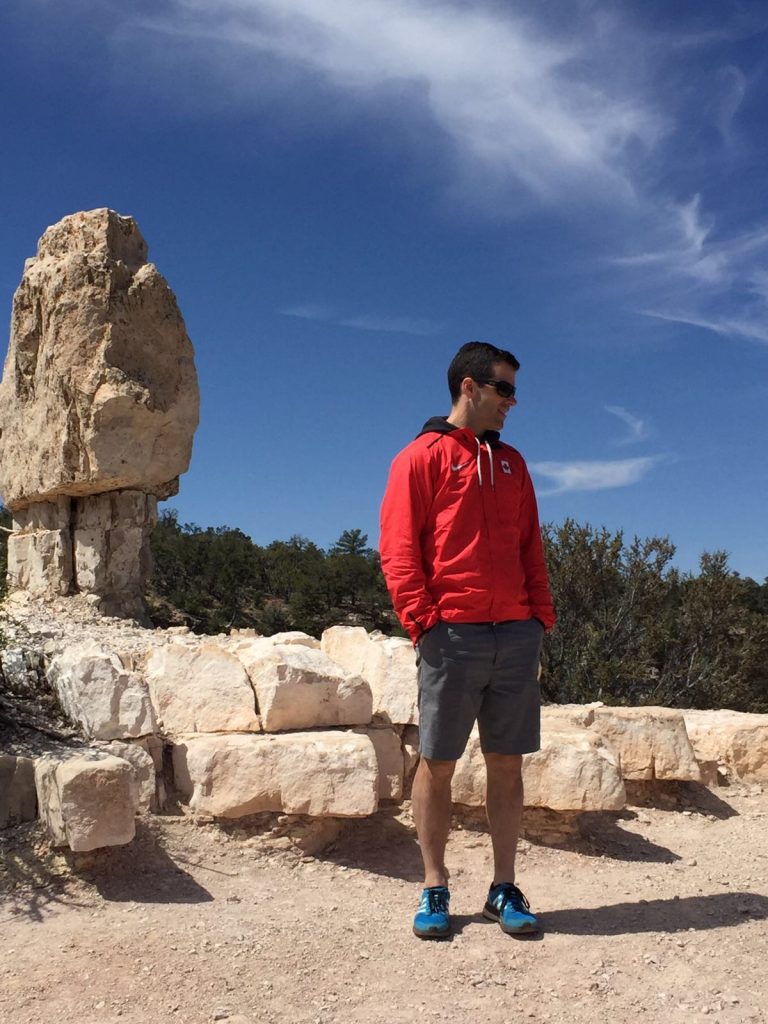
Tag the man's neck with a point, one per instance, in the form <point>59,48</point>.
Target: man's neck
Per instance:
<point>462,418</point>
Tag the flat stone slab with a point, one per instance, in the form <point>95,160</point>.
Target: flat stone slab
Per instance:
<point>735,740</point>
<point>200,688</point>
<point>332,774</point>
<point>652,742</point>
<point>299,687</point>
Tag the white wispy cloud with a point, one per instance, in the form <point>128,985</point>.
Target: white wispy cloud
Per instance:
<point>536,104</point>
<point>727,326</point>
<point>637,428</point>
<point>700,277</point>
<point>418,326</point>
<point>593,476</point>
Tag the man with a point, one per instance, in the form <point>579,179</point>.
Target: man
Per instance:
<point>462,556</point>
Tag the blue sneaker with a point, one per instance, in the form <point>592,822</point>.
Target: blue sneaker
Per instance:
<point>507,905</point>
<point>432,920</point>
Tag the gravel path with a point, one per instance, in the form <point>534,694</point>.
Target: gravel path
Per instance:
<point>659,912</point>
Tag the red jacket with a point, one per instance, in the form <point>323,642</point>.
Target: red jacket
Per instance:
<point>460,537</point>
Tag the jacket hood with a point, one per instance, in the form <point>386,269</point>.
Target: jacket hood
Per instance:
<point>440,425</point>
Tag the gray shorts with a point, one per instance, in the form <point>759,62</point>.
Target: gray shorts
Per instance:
<point>484,672</point>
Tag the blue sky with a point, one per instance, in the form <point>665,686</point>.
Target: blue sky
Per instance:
<point>342,193</point>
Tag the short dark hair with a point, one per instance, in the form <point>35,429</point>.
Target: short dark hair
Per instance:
<point>476,360</point>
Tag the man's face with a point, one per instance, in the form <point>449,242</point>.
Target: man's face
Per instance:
<point>491,408</point>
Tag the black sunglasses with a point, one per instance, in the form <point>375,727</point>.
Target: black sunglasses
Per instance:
<point>503,387</point>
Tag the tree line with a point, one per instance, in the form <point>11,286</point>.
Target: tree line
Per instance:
<point>631,629</point>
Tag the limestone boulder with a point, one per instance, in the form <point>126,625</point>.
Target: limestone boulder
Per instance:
<point>140,759</point>
<point>87,801</point>
<point>107,701</point>
<point>573,771</point>
<point>388,665</point>
<point>299,687</point>
<point>200,688</point>
<point>332,774</point>
<point>18,798</point>
<point>554,716</point>
<point>99,390</point>
<point>652,742</point>
<point>389,758</point>
<point>734,740</point>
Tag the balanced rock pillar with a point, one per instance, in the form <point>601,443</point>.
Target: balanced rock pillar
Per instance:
<point>98,408</point>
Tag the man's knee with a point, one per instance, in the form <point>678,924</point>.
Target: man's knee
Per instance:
<point>439,771</point>
<point>509,766</point>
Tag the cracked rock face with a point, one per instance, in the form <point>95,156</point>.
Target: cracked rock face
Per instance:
<point>99,391</point>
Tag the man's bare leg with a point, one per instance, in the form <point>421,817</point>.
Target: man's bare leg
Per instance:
<point>431,798</point>
<point>504,807</point>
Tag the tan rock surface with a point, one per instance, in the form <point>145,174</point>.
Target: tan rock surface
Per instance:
<point>388,665</point>
<point>200,689</point>
<point>144,774</point>
<point>573,771</point>
<point>99,390</point>
<point>317,773</point>
<point>298,687</point>
<point>652,742</point>
<point>95,691</point>
<point>735,740</point>
<point>18,798</point>
<point>390,761</point>
<point>87,801</point>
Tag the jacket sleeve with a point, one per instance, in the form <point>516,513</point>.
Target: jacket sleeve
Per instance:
<point>532,556</point>
<point>404,514</point>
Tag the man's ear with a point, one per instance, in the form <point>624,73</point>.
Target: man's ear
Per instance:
<point>468,387</point>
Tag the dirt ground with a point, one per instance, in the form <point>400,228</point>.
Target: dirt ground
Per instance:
<point>660,912</point>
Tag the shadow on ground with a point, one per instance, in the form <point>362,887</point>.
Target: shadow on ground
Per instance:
<point>720,910</point>
<point>678,796</point>
<point>36,878</point>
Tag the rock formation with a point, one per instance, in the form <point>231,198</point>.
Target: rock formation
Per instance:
<point>98,407</point>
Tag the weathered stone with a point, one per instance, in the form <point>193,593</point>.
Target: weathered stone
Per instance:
<point>200,689</point>
<point>139,758</point>
<point>410,743</point>
<point>573,771</point>
<point>294,636</point>
<point>652,742</point>
<point>40,549</point>
<point>21,670</point>
<point>331,774</point>
<point>95,691</point>
<point>298,687</point>
<point>388,665</point>
<point>735,740</point>
<point>568,715</point>
<point>389,757</point>
<point>99,391</point>
<point>87,801</point>
<point>18,799</point>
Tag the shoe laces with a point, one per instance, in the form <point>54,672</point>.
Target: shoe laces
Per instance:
<point>510,896</point>
<point>437,900</point>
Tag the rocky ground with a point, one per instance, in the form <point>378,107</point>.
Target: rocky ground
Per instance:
<point>659,911</point>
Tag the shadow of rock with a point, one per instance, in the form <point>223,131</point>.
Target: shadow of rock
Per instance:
<point>36,878</point>
<point>720,910</point>
<point>384,844</point>
<point>602,836</point>
<point>142,871</point>
<point>668,795</point>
